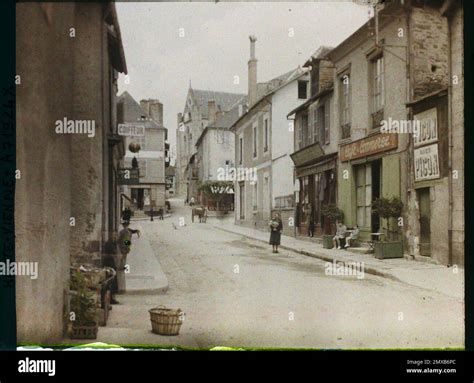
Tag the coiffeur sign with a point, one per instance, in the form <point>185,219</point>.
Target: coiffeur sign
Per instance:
<point>368,146</point>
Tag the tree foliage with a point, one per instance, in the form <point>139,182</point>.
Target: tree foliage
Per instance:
<point>216,189</point>
<point>332,212</point>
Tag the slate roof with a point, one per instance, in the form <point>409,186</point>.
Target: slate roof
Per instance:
<point>266,88</point>
<point>133,111</point>
<point>170,171</point>
<point>322,52</point>
<point>227,119</point>
<point>224,100</point>
<point>270,87</point>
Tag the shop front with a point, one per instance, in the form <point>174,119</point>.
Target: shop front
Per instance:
<point>369,169</point>
<point>431,201</point>
<point>317,184</point>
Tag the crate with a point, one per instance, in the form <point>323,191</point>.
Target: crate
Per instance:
<point>165,321</point>
<point>84,332</point>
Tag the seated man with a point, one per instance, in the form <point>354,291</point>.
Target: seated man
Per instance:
<point>340,233</point>
<point>353,236</point>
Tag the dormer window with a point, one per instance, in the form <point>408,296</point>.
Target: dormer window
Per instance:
<point>303,90</point>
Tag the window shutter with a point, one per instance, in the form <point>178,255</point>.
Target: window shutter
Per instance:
<point>315,125</point>
<point>327,123</point>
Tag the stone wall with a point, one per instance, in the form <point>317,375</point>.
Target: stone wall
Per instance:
<point>44,54</point>
<point>326,74</point>
<point>87,162</point>
<point>429,50</point>
<point>457,126</point>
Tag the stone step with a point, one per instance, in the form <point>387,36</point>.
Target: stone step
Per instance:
<point>308,239</point>
<point>360,250</point>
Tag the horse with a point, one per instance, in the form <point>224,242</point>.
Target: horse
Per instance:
<point>201,212</point>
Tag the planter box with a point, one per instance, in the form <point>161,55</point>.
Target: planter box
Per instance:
<point>387,250</point>
<point>327,241</point>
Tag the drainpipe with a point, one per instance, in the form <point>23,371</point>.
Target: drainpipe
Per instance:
<point>410,115</point>
<point>450,148</point>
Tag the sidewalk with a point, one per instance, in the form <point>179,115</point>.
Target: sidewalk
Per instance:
<point>146,275</point>
<point>438,278</point>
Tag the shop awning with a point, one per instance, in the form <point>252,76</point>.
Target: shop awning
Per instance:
<point>325,163</point>
<point>307,155</point>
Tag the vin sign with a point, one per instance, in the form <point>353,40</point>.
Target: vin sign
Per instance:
<point>426,163</point>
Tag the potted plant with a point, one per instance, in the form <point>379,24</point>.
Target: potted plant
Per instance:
<point>331,213</point>
<point>390,246</point>
<point>83,308</point>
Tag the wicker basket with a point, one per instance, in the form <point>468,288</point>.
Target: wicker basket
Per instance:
<point>165,321</point>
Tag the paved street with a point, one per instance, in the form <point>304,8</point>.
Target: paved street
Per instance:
<point>235,292</point>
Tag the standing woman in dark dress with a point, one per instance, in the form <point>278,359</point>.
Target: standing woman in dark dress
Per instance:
<point>276,226</point>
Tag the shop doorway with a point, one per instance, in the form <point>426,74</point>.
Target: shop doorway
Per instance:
<point>138,198</point>
<point>368,188</point>
<point>376,167</point>
<point>242,200</point>
<point>423,196</point>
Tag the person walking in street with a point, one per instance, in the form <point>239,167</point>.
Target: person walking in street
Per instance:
<point>124,244</point>
<point>276,226</point>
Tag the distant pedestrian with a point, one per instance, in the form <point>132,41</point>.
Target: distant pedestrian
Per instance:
<point>191,202</point>
<point>276,226</point>
<point>310,221</point>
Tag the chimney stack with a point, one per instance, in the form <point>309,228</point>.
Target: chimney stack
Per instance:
<point>145,105</point>
<point>252,74</point>
<point>156,112</point>
<point>211,111</point>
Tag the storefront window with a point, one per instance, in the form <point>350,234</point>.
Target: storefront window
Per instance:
<point>364,195</point>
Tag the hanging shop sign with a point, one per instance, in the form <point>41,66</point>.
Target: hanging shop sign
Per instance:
<point>425,128</point>
<point>426,163</point>
<point>131,130</point>
<point>368,146</point>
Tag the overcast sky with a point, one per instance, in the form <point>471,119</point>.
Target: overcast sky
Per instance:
<point>215,46</point>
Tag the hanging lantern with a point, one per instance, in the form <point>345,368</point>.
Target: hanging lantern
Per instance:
<point>134,147</point>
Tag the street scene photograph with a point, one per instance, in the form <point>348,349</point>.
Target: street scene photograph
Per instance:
<point>239,175</point>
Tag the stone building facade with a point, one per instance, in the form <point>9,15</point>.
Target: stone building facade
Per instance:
<point>63,197</point>
<point>398,68</point>
<point>191,123</point>
<point>216,154</point>
<point>149,191</point>
<point>315,149</point>
<point>263,143</point>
